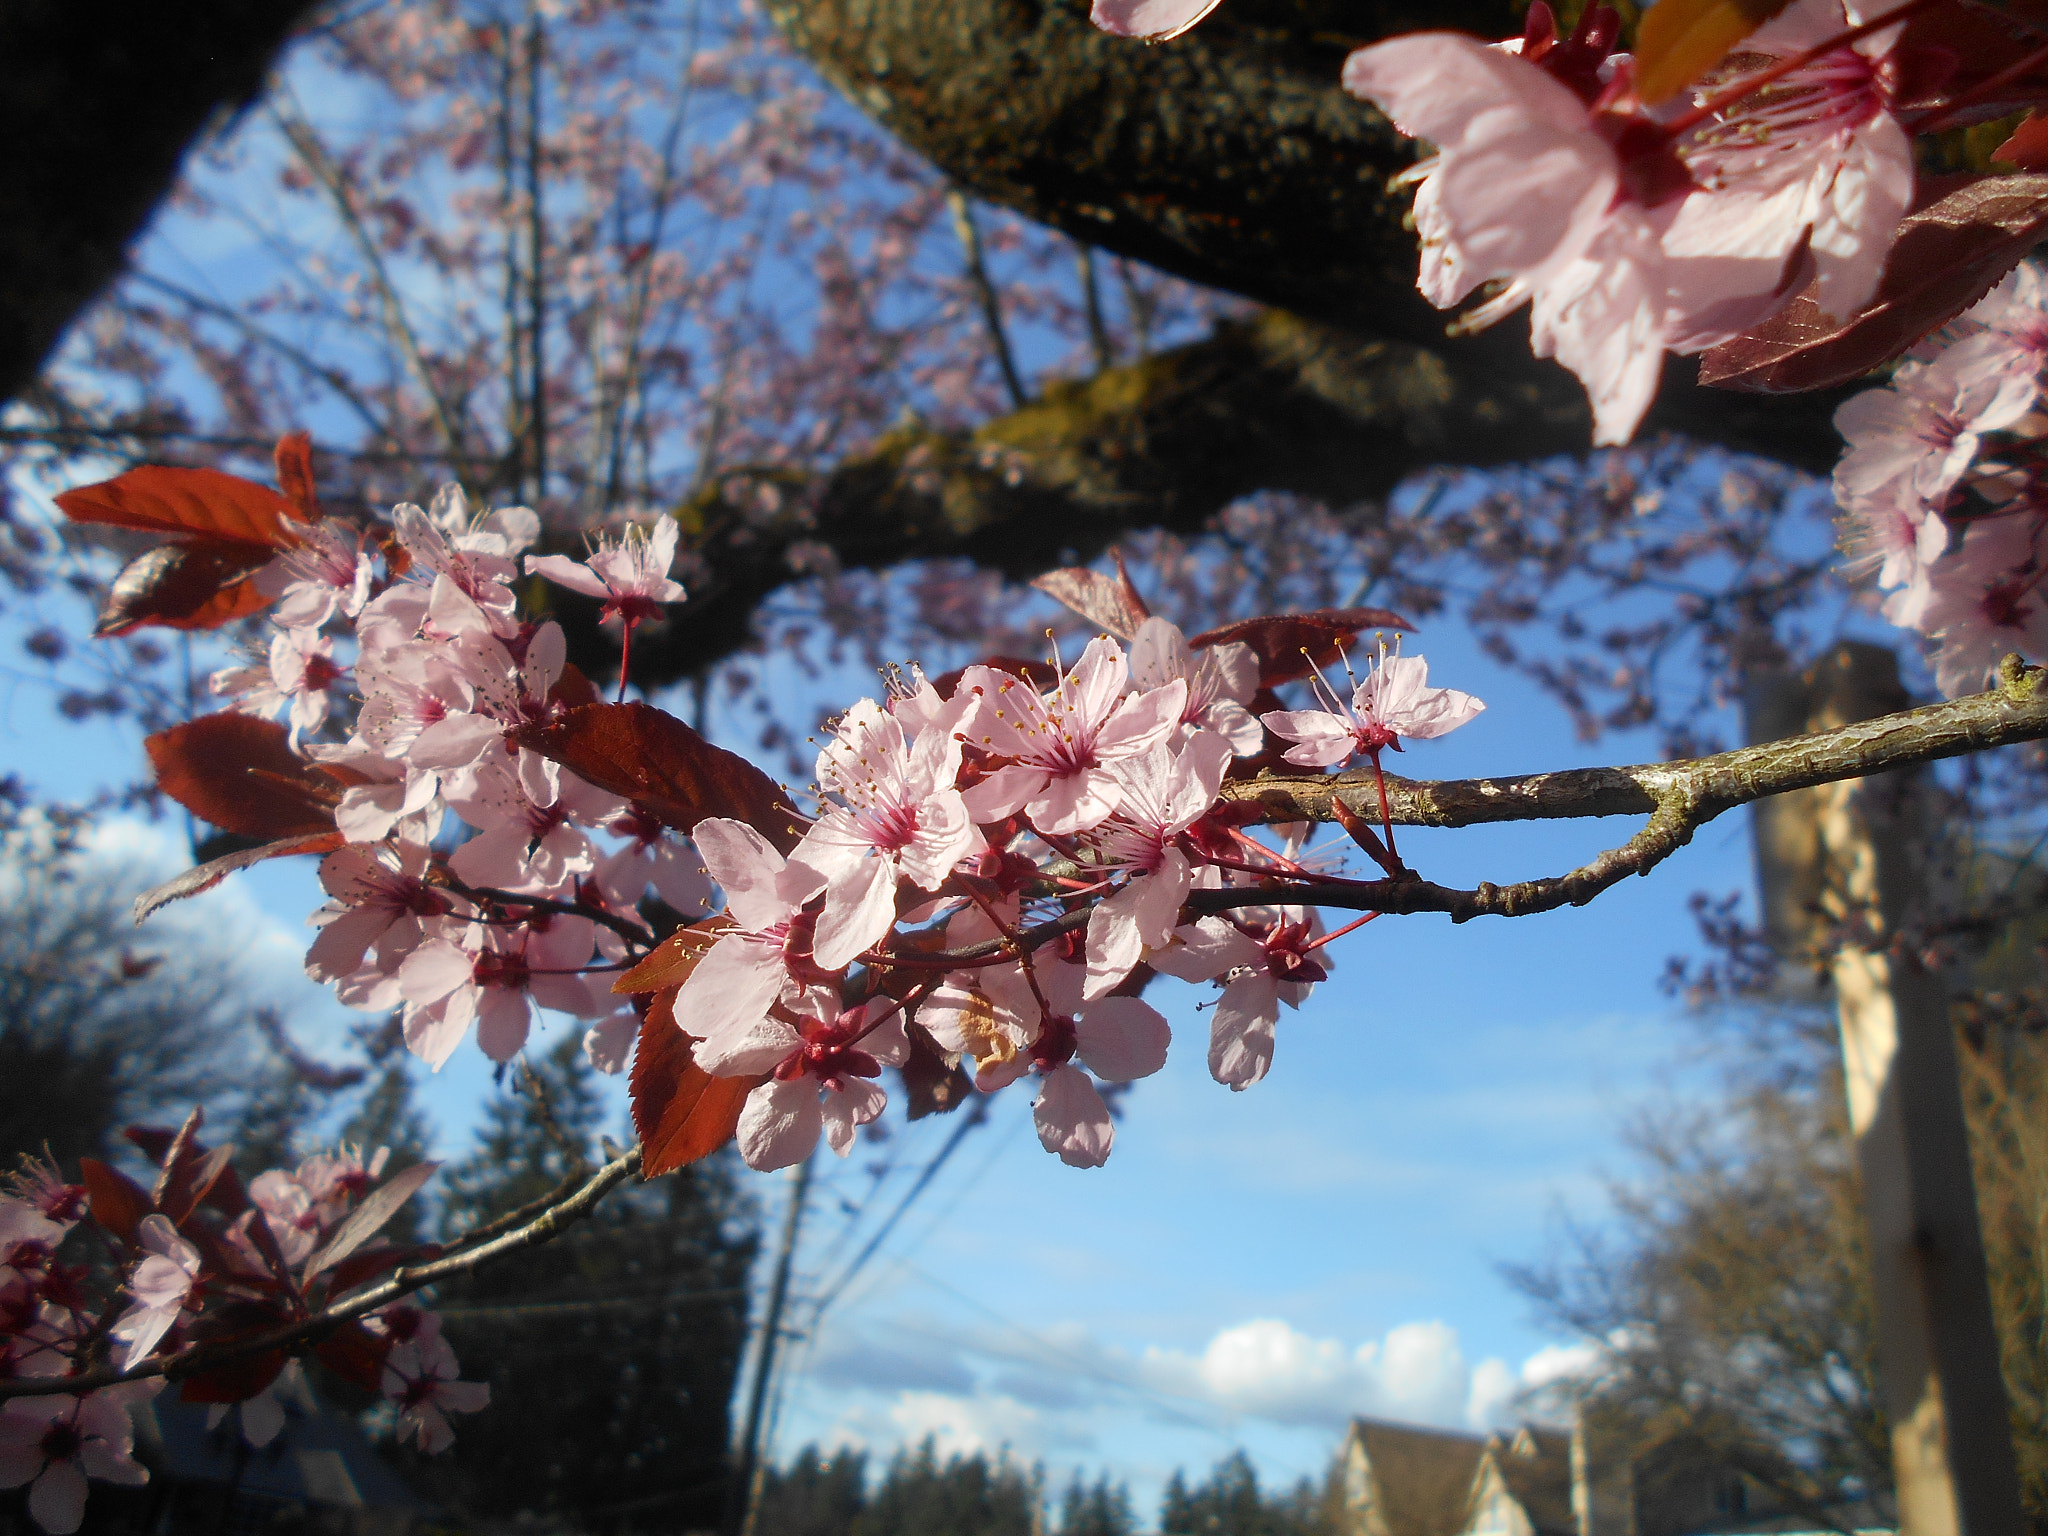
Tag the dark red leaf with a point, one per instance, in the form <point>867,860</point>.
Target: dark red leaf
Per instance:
<point>1110,602</point>
<point>118,1202</point>
<point>572,689</point>
<point>238,773</point>
<point>369,1263</point>
<point>1280,640</point>
<point>1945,259</point>
<point>663,766</point>
<point>204,877</point>
<point>238,1380</point>
<point>156,499</point>
<point>294,461</point>
<point>681,1111</point>
<point>355,1354</point>
<point>198,585</point>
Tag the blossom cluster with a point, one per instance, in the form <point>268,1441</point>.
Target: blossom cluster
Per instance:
<point>996,809</point>
<point>1942,490</point>
<point>444,669</point>
<point>482,879</point>
<point>257,1253</point>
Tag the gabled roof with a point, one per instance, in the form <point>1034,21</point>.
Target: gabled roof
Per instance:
<point>1536,1466</point>
<point>1422,1478</point>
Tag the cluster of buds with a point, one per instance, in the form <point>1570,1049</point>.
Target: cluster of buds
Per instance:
<point>1944,487</point>
<point>202,1262</point>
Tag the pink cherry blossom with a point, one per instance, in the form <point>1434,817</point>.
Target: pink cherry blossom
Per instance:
<point>650,856</point>
<point>420,1377</point>
<point>1924,429</point>
<point>630,577</point>
<point>1987,599</point>
<point>288,1210</point>
<point>327,573</point>
<point>897,817</point>
<point>766,957</point>
<point>54,1444</point>
<point>1630,234</point>
<point>1221,680</point>
<point>822,1077</point>
<point>1164,793</point>
<point>1062,743</point>
<point>1394,701</point>
<point>494,978</point>
<point>1260,968</point>
<point>160,1284</point>
<point>1156,21</point>
<point>470,563</point>
<point>377,897</point>
<point>521,846</point>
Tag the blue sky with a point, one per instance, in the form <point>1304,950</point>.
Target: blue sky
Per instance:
<point>1250,1269</point>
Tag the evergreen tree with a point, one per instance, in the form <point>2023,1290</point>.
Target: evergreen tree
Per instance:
<point>1230,1504</point>
<point>1097,1510</point>
<point>967,1496</point>
<point>610,1353</point>
<point>814,1496</point>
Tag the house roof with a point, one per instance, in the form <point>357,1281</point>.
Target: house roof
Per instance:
<point>319,1457</point>
<point>1422,1478</point>
<point>1536,1466</point>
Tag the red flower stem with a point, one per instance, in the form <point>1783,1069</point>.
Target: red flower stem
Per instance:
<point>1720,101</point>
<point>1935,120</point>
<point>1386,811</point>
<point>625,657</point>
<point>1280,859</point>
<point>1340,932</point>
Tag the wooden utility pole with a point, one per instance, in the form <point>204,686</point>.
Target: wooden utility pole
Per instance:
<point>743,1493</point>
<point>1843,874</point>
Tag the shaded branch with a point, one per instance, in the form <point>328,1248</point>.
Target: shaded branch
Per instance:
<point>550,1224</point>
<point>1270,403</point>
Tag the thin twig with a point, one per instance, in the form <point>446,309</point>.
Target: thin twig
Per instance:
<point>985,290</point>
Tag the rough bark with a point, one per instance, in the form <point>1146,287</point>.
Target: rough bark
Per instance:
<point>98,104</point>
<point>1231,156</point>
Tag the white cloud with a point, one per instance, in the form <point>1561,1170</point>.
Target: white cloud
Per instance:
<point>1267,1369</point>
<point>960,1425</point>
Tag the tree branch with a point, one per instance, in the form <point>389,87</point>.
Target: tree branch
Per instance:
<point>543,1228</point>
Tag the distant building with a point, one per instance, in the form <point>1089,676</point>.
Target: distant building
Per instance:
<point>1408,1480</point>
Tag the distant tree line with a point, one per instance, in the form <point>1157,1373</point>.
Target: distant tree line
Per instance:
<point>978,1494</point>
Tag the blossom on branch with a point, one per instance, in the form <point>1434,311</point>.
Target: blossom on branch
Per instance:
<point>1394,700</point>
<point>53,1444</point>
<point>630,577</point>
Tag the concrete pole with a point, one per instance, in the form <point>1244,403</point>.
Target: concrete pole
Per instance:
<point>1843,872</point>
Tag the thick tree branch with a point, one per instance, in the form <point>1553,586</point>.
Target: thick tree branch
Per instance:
<point>98,102</point>
<point>1271,403</point>
<point>545,1227</point>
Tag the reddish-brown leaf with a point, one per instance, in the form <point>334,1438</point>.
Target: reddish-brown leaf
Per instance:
<point>235,1381</point>
<point>205,502</point>
<point>681,1111</point>
<point>202,584</point>
<point>294,461</point>
<point>118,1202</point>
<point>2027,147</point>
<point>238,773</point>
<point>1946,257</point>
<point>354,1354</point>
<point>1110,602</point>
<point>204,877</point>
<point>1680,40</point>
<point>670,962</point>
<point>572,689</point>
<point>660,764</point>
<point>1286,643</point>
